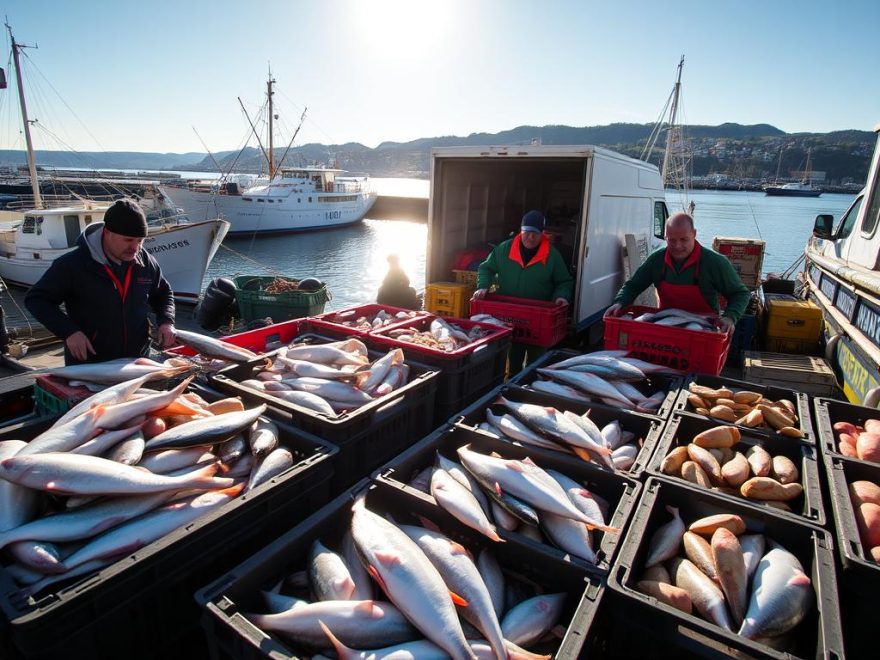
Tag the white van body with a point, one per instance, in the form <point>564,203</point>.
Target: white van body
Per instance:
<point>592,197</point>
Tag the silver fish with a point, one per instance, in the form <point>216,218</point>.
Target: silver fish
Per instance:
<point>363,584</point>
<point>525,480</point>
<point>306,400</point>
<point>782,596</point>
<point>462,476</point>
<point>117,414</point>
<point>589,383</point>
<point>210,347</point>
<point>380,368</point>
<point>119,371</point>
<point>493,578</point>
<point>40,556</point>
<point>409,579</point>
<point>458,500</point>
<point>514,429</point>
<point>344,353</point>
<point>208,430</point>
<point>135,534</point>
<point>460,574</point>
<point>705,594</point>
<point>114,394</point>
<point>569,535</point>
<point>328,574</point>
<point>331,390</point>
<point>558,389</point>
<point>70,474</point>
<point>753,549</point>
<point>104,442</point>
<point>18,504</point>
<point>532,618</point>
<point>278,461</point>
<point>666,541</point>
<point>168,460</point>
<point>263,437</point>
<point>129,451</point>
<point>85,521</point>
<point>66,436</point>
<point>361,623</point>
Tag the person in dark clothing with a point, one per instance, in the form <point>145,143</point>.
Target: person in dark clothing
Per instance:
<point>109,285</point>
<point>395,289</point>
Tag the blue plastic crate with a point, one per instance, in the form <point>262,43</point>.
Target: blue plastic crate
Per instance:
<point>743,339</point>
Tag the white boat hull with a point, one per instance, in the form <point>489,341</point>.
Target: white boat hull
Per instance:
<point>183,252</point>
<point>249,215</point>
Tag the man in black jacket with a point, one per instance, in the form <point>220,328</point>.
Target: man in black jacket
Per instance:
<point>109,285</point>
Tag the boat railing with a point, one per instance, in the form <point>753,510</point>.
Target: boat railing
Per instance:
<point>26,202</point>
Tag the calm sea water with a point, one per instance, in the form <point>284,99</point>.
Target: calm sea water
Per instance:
<point>352,260</point>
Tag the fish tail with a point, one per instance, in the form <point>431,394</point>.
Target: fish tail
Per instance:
<point>342,651</point>
<point>604,528</point>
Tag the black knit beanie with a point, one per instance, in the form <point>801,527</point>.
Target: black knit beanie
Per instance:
<point>125,217</point>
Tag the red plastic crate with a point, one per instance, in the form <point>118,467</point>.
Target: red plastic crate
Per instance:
<point>495,334</point>
<point>257,340</point>
<point>693,351</point>
<point>330,323</point>
<point>535,322</point>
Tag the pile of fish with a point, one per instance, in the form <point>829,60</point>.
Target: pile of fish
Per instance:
<point>330,378</point>
<point>745,583</point>
<point>713,460</point>
<point>488,318</point>
<point>745,408</point>
<point>367,322</point>
<point>122,469</point>
<point>605,376</point>
<point>862,442</point>
<point>564,431</point>
<point>676,318</point>
<point>443,602</point>
<point>865,498</point>
<point>441,335</point>
<point>483,491</point>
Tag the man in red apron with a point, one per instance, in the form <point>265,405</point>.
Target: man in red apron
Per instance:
<point>687,276</point>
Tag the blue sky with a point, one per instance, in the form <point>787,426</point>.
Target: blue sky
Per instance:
<point>138,76</point>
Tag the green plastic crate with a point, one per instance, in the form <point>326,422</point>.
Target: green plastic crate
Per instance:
<point>254,303</point>
<point>46,403</point>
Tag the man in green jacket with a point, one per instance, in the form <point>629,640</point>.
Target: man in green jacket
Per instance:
<point>687,276</point>
<point>526,266</point>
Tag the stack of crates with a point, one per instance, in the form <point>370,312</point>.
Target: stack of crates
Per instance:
<point>792,325</point>
<point>53,397</point>
<point>745,254</point>
<point>449,299</point>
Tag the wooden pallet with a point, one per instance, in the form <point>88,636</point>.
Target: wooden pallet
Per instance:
<point>804,373</point>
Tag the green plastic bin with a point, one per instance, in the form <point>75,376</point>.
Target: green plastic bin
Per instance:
<point>254,303</point>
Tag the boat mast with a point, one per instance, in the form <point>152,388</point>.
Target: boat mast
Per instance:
<point>32,163</point>
<point>808,171</point>
<point>673,133</point>
<point>271,155</point>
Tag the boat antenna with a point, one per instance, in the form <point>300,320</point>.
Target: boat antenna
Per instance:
<point>673,133</point>
<point>32,163</point>
<point>295,133</point>
<point>253,129</point>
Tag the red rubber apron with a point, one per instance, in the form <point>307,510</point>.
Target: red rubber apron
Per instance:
<point>683,296</point>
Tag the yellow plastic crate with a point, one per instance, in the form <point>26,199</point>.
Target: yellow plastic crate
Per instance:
<point>449,299</point>
<point>789,318</point>
<point>468,277</point>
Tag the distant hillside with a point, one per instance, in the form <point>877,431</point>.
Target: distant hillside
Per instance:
<point>733,149</point>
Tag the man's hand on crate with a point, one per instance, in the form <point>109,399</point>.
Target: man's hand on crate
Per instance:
<point>479,294</point>
<point>561,301</point>
<point>612,311</point>
<point>727,325</point>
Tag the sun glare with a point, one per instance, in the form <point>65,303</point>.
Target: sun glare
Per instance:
<point>401,26</point>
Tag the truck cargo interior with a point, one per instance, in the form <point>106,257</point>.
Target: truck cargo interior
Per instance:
<point>482,202</point>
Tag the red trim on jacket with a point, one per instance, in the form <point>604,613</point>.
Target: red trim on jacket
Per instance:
<point>540,256</point>
<point>694,258</point>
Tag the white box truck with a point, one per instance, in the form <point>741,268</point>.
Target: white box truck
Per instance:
<point>592,198</point>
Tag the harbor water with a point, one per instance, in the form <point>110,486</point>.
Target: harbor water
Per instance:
<point>353,260</point>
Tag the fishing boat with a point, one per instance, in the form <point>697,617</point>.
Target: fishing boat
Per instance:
<point>802,188</point>
<point>292,199</point>
<point>842,274</point>
<point>36,231</point>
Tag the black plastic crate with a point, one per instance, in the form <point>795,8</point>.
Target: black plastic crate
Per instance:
<point>817,636</point>
<point>800,400</point>
<point>829,412</point>
<point>231,635</point>
<point>646,427</point>
<point>141,606</point>
<point>620,492</point>
<point>366,437</point>
<point>806,508</point>
<point>860,571</point>
<point>654,382</point>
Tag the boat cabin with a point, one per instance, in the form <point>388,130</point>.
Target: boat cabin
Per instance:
<point>47,229</point>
